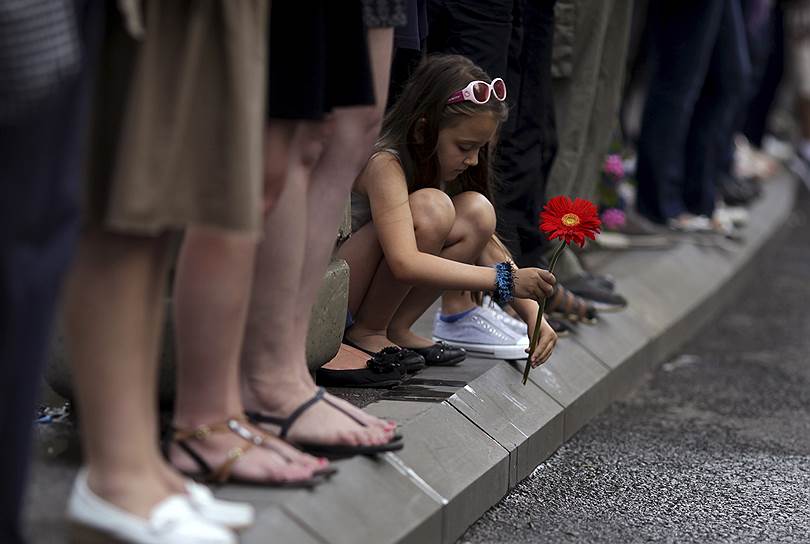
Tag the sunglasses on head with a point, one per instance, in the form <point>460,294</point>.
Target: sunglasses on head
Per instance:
<point>480,92</point>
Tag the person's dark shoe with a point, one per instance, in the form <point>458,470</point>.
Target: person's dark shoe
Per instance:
<point>604,300</point>
<point>637,232</point>
<point>409,360</point>
<point>737,191</point>
<point>376,374</point>
<point>441,354</point>
<point>562,327</point>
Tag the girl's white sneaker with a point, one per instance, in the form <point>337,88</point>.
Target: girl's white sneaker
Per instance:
<point>231,514</point>
<point>172,521</point>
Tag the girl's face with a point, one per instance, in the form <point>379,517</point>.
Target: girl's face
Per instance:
<point>460,143</point>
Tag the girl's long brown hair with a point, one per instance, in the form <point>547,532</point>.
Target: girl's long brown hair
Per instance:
<point>412,125</point>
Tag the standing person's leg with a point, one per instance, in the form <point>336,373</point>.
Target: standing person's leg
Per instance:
<point>275,376</point>
<point>214,271</point>
<point>324,161</point>
<point>115,301</point>
<point>710,133</point>
<point>478,29</point>
<point>605,113</point>
<point>756,119</point>
<point>797,30</point>
<point>114,359</point>
<point>211,294</point>
<point>576,94</point>
<point>528,141</point>
<point>39,165</point>
<point>683,35</point>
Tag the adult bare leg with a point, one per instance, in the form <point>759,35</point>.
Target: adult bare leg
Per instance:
<point>275,376</point>
<point>113,317</point>
<point>211,295</point>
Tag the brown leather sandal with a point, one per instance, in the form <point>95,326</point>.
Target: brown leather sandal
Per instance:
<point>266,440</point>
<point>563,304</point>
<point>222,473</point>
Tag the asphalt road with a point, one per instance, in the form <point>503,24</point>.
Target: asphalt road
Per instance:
<point>713,447</point>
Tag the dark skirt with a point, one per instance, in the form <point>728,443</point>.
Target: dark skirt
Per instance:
<point>318,59</point>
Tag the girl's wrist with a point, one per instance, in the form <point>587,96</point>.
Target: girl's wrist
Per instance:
<point>503,290</point>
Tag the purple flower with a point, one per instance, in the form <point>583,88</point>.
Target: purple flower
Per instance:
<point>613,218</point>
<point>613,167</point>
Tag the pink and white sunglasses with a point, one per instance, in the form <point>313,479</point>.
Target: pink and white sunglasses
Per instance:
<point>480,92</point>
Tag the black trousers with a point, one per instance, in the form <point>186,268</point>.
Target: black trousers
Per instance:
<point>510,39</point>
<point>700,71</point>
<point>40,158</point>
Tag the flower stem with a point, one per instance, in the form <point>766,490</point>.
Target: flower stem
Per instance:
<point>541,308</point>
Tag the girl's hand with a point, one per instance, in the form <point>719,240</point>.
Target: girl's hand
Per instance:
<point>533,283</point>
<point>545,346</point>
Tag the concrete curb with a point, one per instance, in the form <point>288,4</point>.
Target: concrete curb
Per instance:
<point>463,454</point>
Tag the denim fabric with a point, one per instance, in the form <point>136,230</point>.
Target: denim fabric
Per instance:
<point>770,43</point>
<point>39,168</point>
<point>698,77</point>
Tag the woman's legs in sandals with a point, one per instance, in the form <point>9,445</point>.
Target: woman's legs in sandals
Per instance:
<point>114,309</point>
<point>472,229</point>
<point>211,293</point>
<point>323,191</point>
<point>275,376</point>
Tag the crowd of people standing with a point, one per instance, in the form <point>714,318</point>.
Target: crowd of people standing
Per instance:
<point>210,147</point>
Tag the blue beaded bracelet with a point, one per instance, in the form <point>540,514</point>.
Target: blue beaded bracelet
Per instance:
<point>504,282</point>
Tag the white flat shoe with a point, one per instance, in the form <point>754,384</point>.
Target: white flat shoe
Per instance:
<point>231,514</point>
<point>172,521</point>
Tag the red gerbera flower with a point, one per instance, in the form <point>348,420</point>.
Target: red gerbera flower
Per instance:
<point>571,221</point>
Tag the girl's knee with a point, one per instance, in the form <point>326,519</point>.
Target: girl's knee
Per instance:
<point>477,212</point>
<point>433,212</point>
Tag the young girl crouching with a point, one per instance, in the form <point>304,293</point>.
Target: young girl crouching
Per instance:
<point>423,222</point>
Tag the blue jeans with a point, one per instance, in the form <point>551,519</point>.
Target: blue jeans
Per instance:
<point>699,76</point>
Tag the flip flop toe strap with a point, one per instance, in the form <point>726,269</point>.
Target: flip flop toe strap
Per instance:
<point>285,423</point>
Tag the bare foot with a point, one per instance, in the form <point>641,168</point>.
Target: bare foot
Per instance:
<point>408,339</point>
<point>348,358</point>
<point>368,419</point>
<point>368,340</point>
<point>321,423</point>
<point>258,464</point>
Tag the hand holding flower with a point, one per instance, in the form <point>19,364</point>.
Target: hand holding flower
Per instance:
<point>533,283</point>
<point>571,222</point>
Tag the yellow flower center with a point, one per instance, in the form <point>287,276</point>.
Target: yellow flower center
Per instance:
<point>570,220</point>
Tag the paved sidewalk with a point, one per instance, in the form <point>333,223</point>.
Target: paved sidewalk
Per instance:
<point>712,448</point>
<point>473,432</point>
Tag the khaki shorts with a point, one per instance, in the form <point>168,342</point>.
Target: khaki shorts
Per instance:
<point>178,119</point>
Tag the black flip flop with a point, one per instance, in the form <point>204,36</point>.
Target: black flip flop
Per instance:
<point>323,450</point>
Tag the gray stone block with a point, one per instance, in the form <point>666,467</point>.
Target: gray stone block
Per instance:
<point>574,378</point>
<point>369,501</point>
<point>524,420</point>
<point>328,317</point>
<point>275,525</point>
<point>466,467</point>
